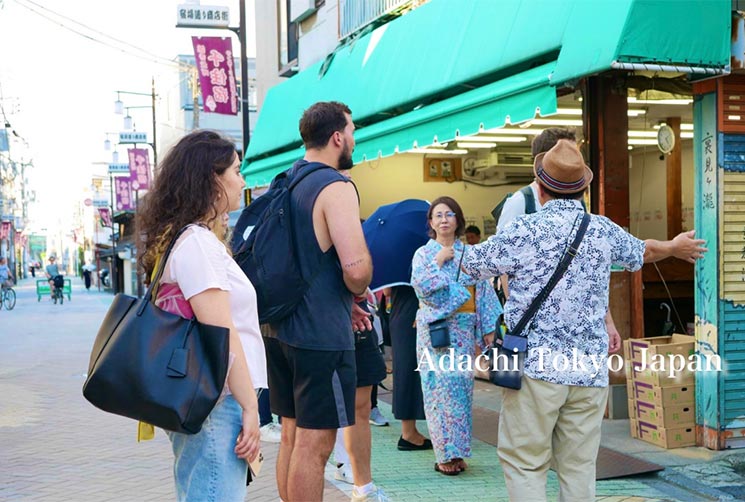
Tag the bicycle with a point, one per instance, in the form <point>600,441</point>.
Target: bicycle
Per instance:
<point>7,297</point>
<point>58,293</point>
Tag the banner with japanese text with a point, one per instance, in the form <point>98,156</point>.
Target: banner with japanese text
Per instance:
<point>5,228</point>
<point>214,58</point>
<point>105,215</point>
<point>139,168</point>
<point>123,191</point>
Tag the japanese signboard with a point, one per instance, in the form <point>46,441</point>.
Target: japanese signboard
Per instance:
<point>214,58</point>
<point>100,203</point>
<point>5,230</point>
<point>139,168</point>
<point>202,15</point>
<point>123,191</point>
<point>118,168</point>
<point>132,137</point>
<point>105,215</point>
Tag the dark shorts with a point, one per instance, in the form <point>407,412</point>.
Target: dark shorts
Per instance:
<point>370,362</point>
<point>314,387</point>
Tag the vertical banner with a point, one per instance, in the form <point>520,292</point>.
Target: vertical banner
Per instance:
<point>214,57</point>
<point>139,168</point>
<point>105,215</point>
<point>123,190</point>
<point>4,230</point>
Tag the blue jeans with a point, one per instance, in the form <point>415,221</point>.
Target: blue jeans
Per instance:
<point>205,467</point>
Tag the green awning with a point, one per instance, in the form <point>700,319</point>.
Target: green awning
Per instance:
<point>401,72</point>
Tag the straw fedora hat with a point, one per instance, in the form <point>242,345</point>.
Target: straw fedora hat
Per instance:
<point>562,169</point>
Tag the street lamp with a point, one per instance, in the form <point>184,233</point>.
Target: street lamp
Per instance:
<point>119,109</point>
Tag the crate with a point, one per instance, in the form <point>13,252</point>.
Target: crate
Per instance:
<point>675,344</point>
<point>675,437</point>
<point>661,396</point>
<point>668,416</point>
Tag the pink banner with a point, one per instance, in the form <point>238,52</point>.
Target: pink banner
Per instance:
<point>105,215</point>
<point>123,190</point>
<point>214,56</point>
<point>4,230</point>
<point>139,168</point>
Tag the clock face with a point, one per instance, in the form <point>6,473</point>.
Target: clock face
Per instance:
<point>666,139</point>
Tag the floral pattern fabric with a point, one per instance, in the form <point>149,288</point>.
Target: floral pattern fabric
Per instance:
<point>448,389</point>
<point>567,338</point>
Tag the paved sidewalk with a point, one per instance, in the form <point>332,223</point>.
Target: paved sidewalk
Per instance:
<point>58,447</point>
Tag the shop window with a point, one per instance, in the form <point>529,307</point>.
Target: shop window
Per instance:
<point>288,40</point>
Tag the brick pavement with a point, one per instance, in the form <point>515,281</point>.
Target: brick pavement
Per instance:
<point>57,447</point>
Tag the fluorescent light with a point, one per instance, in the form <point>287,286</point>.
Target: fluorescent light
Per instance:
<point>642,141</point>
<point>733,117</point>
<point>683,127</point>
<point>686,135</point>
<point>500,130</point>
<point>632,112</point>
<point>661,101</point>
<point>642,134</point>
<point>492,139</point>
<point>635,112</point>
<point>475,144</point>
<point>437,151</point>
<point>557,122</point>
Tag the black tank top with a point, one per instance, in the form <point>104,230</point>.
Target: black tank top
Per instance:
<point>323,319</point>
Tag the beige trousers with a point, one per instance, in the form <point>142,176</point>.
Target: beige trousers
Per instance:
<point>547,425</point>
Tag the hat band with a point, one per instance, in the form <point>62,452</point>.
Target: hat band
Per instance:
<point>559,186</point>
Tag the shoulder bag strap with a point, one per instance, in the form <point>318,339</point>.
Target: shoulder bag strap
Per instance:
<point>558,273</point>
<point>159,271</point>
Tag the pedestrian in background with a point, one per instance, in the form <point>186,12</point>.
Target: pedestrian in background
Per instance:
<point>471,310</point>
<point>197,182</point>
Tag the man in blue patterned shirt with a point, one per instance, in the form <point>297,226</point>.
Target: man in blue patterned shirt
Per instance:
<point>555,418</point>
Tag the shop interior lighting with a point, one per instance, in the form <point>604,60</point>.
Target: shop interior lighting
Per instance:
<point>438,151</point>
<point>682,102</point>
<point>632,112</point>
<point>475,144</point>
<point>642,141</point>
<point>683,127</point>
<point>556,122</point>
<point>521,132</point>
<point>653,134</point>
<point>493,139</point>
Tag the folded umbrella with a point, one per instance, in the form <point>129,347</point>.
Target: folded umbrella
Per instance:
<point>393,233</point>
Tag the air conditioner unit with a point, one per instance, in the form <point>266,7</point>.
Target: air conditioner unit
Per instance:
<point>487,172</point>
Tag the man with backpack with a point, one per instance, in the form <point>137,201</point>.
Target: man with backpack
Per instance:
<point>311,359</point>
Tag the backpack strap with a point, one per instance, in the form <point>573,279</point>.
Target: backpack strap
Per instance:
<point>311,167</point>
<point>527,192</point>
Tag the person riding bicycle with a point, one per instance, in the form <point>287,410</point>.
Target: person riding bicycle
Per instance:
<point>6,277</point>
<point>52,272</point>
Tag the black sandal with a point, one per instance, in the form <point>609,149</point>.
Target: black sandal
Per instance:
<point>447,473</point>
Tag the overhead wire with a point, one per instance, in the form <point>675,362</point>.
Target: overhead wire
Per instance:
<point>140,52</point>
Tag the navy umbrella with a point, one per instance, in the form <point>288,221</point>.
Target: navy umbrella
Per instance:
<point>393,233</point>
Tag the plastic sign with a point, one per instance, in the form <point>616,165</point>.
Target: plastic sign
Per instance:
<point>119,169</point>
<point>132,137</point>
<point>190,15</point>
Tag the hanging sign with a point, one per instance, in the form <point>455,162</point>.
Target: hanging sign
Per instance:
<point>190,15</point>
<point>123,190</point>
<point>139,168</point>
<point>214,57</point>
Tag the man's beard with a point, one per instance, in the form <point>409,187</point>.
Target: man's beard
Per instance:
<point>345,159</point>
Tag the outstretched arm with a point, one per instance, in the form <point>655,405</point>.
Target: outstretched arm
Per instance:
<point>684,246</point>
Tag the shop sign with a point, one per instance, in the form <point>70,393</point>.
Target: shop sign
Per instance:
<point>132,137</point>
<point>214,59</point>
<point>100,203</point>
<point>139,168</point>
<point>118,168</point>
<point>190,15</point>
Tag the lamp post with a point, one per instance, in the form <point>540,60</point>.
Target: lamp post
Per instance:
<point>119,110</point>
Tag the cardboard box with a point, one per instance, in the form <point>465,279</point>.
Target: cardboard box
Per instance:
<point>676,344</point>
<point>668,417</point>
<point>666,438</point>
<point>683,378</point>
<point>632,408</point>
<point>661,396</point>
<point>634,426</point>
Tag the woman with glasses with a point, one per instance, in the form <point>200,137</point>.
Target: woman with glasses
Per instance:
<point>471,310</point>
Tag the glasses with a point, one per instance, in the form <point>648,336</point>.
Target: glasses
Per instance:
<point>446,214</point>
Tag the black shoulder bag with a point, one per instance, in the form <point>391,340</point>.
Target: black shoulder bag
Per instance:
<point>154,366</point>
<point>508,358</point>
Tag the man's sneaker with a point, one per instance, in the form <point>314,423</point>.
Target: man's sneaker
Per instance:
<point>271,432</point>
<point>377,496</point>
<point>344,473</point>
<point>377,418</point>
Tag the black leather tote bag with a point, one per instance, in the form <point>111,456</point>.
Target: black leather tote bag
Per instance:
<point>154,366</point>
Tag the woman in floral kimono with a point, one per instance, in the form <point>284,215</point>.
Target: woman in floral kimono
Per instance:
<point>471,309</point>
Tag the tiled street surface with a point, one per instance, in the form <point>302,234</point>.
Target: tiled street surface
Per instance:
<point>55,446</point>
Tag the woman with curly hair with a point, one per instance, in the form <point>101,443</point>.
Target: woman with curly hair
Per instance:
<point>195,185</point>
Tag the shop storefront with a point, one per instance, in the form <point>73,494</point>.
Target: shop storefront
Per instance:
<point>454,114</point>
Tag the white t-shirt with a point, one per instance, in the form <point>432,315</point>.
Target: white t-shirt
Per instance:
<point>198,262</point>
<point>514,206</point>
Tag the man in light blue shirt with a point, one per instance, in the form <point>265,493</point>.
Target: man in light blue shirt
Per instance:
<point>6,277</point>
<point>555,418</point>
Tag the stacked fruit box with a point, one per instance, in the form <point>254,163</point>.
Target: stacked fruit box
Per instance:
<point>660,386</point>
